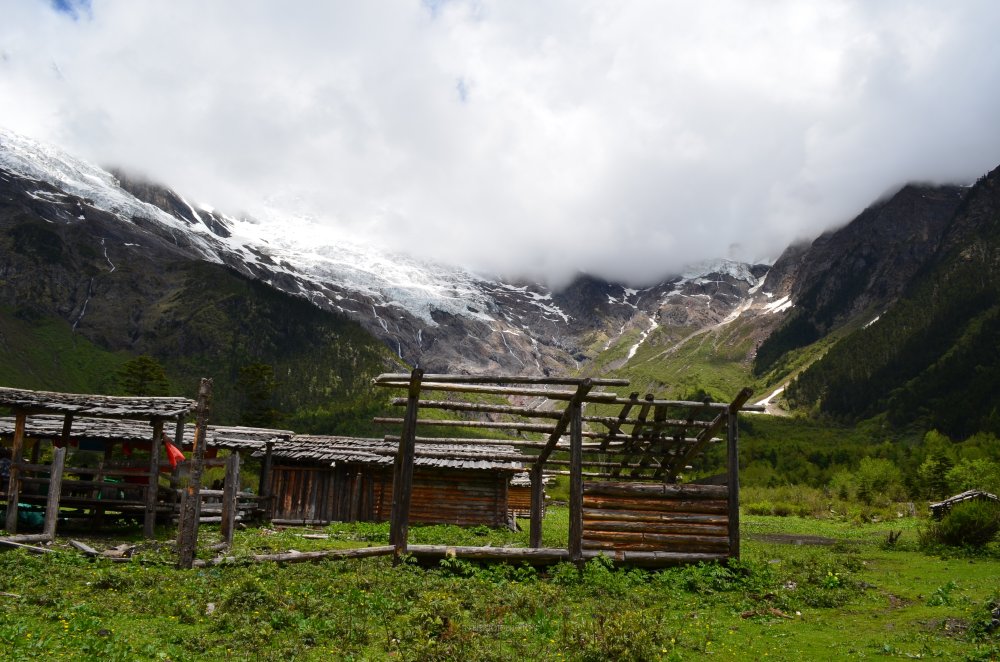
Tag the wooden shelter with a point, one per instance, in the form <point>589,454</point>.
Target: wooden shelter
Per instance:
<point>942,508</point>
<point>321,479</point>
<point>118,484</point>
<point>624,463</point>
<point>154,412</point>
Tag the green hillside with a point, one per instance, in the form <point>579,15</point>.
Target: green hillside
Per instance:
<point>932,360</point>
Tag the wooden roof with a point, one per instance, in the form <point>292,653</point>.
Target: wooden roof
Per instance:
<point>942,507</point>
<point>379,452</point>
<point>103,406</point>
<point>47,426</point>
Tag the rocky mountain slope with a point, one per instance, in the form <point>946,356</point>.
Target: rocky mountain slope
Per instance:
<point>131,266</point>
<point>442,318</point>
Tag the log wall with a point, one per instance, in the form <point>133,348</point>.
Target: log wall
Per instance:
<point>519,501</point>
<point>350,493</point>
<point>644,517</point>
<point>464,498</point>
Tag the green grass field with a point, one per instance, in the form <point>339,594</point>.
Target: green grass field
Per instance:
<point>851,597</point>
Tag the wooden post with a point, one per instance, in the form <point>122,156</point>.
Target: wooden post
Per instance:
<point>537,505</point>
<point>402,475</point>
<point>55,492</point>
<point>187,531</point>
<point>576,483</point>
<point>230,494</point>
<point>152,489</point>
<point>733,479</point>
<point>264,487</point>
<point>14,482</point>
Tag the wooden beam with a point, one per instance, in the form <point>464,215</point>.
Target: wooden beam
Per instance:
<point>431,378</point>
<point>507,390</point>
<point>482,408</point>
<point>14,481</point>
<point>537,506</point>
<point>264,487</point>
<point>733,479</point>
<point>230,494</point>
<point>582,392</point>
<point>187,529</point>
<point>402,478</point>
<point>55,491</point>
<point>705,436</point>
<point>576,482</point>
<point>493,425</point>
<point>636,429</point>
<point>149,522</point>
<point>614,424</point>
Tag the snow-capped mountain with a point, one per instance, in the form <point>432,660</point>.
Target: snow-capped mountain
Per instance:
<point>441,317</point>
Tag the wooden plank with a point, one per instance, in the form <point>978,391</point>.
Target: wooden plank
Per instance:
<point>14,480</point>
<point>84,547</point>
<point>55,491</point>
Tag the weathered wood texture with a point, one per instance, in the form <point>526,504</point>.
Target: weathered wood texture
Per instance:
<point>55,492</point>
<point>104,406</point>
<point>642,517</point>
<point>320,495</point>
<point>230,496</point>
<point>187,529</point>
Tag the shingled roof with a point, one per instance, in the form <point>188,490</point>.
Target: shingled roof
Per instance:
<point>355,450</point>
<point>104,406</point>
<point>236,438</point>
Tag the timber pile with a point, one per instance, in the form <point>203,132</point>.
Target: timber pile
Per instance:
<point>656,518</point>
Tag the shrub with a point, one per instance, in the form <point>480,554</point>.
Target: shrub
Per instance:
<point>969,524</point>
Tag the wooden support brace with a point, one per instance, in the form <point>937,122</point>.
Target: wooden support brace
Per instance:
<point>149,523</point>
<point>14,480</point>
<point>733,473</point>
<point>402,479</point>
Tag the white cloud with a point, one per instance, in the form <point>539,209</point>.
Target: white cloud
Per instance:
<point>539,138</point>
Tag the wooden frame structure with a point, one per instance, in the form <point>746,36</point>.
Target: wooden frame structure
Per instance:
<point>628,503</point>
<point>156,412</point>
<point>101,423</point>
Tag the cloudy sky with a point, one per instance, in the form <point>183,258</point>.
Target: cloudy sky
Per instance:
<point>534,137</point>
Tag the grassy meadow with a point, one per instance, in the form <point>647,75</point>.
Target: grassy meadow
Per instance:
<point>828,586</point>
